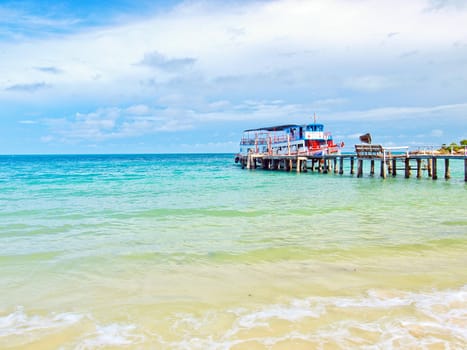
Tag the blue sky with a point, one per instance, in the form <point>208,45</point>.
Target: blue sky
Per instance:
<point>188,76</point>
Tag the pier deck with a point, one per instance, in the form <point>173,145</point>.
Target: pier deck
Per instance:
<point>390,161</point>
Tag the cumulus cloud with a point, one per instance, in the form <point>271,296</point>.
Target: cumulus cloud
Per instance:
<point>18,24</point>
<point>137,120</point>
<point>456,112</point>
<point>409,53</point>
<point>368,83</point>
<point>248,62</point>
<point>47,138</point>
<point>51,70</point>
<point>116,122</point>
<point>160,61</point>
<point>434,5</point>
<point>138,110</point>
<point>437,133</point>
<point>31,87</point>
<point>322,35</point>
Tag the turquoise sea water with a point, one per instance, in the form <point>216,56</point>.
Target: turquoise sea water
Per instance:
<point>192,252</point>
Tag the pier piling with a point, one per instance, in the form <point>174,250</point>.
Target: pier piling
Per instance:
<point>360,168</point>
<point>334,163</point>
<point>383,169</point>
<point>407,168</point>
<point>394,167</point>
<point>447,173</point>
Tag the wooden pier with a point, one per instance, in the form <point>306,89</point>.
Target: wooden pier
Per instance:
<point>391,159</point>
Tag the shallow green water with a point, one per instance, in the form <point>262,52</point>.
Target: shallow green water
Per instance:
<point>190,251</point>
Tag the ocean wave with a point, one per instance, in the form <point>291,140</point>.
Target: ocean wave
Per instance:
<point>377,319</point>
<point>114,334</point>
<point>26,328</point>
<point>293,312</point>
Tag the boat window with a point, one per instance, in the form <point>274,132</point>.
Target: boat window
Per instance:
<point>314,127</point>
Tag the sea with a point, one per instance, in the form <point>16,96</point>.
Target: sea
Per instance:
<point>189,251</point>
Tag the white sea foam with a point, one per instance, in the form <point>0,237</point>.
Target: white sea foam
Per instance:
<point>295,311</point>
<point>399,320</point>
<point>190,322</point>
<point>20,323</point>
<point>26,328</point>
<point>380,319</point>
<point>373,300</point>
<point>111,335</point>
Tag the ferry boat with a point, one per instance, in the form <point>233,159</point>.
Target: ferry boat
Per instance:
<point>289,139</point>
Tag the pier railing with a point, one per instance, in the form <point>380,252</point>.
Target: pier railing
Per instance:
<point>434,150</point>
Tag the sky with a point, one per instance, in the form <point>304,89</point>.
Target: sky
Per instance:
<point>189,76</point>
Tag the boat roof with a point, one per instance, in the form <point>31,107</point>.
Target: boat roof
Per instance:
<point>274,128</point>
<point>280,127</point>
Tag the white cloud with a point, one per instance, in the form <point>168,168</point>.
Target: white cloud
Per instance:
<point>435,5</point>
<point>456,112</point>
<point>25,23</point>
<point>437,133</point>
<point>115,122</point>
<point>354,136</point>
<point>208,147</point>
<point>157,60</point>
<point>137,120</point>
<point>252,62</point>
<point>28,88</point>
<point>47,138</point>
<point>50,70</point>
<point>336,32</point>
<point>138,110</point>
<point>368,83</point>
